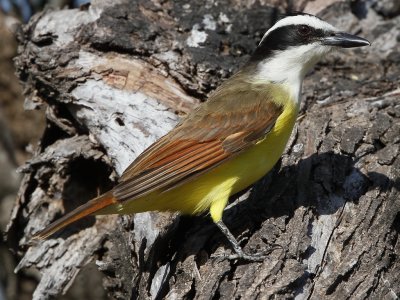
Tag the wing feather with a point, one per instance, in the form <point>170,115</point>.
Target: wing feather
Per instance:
<point>165,174</point>
<point>214,133</point>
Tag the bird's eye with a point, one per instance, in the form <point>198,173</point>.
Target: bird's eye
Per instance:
<point>304,30</point>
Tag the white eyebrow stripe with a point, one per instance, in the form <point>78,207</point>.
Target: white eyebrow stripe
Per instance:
<point>301,20</point>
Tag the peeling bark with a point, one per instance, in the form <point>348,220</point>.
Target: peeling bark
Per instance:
<point>114,77</point>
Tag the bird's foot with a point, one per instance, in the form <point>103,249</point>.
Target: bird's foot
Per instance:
<point>256,257</point>
<point>241,255</point>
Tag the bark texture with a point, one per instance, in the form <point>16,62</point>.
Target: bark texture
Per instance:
<point>115,76</point>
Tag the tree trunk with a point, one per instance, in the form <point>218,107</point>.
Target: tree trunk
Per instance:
<point>116,75</point>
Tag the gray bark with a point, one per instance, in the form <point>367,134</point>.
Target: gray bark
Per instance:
<point>116,76</point>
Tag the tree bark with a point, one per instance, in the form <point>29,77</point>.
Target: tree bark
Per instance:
<point>115,76</point>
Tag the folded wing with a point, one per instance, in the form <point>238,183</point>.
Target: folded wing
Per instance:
<point>214,133</point>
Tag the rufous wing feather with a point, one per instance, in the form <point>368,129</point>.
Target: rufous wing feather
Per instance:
<point>82,211</point>
<point>213,134</point>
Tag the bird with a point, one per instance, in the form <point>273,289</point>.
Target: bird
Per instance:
<point>231,140</point>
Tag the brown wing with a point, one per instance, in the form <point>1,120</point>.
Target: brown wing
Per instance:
<point>230,121</point>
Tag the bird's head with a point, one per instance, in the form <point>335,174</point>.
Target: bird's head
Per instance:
<point>294,44</point>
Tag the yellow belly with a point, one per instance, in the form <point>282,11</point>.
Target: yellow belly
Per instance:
<point>213,189</point>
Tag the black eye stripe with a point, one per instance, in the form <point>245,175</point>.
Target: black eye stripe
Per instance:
<point>292,35</point>
<point>287,36</point>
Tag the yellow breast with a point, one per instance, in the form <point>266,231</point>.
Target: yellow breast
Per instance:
<point>260,159</point>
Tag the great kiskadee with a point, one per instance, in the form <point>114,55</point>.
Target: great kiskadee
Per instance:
<point>230,141</point>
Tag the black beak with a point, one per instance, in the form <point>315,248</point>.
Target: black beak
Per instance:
<point>344,40</point>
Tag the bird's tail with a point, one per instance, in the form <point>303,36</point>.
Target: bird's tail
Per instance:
<point>84,210</point>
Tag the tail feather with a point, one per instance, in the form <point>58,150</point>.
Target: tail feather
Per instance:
<point>80,212</point>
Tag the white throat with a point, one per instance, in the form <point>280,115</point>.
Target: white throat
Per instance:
<point>288,67</point>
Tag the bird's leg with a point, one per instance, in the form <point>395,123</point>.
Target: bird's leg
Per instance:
<point>216,210</point>
<point>239,253</point>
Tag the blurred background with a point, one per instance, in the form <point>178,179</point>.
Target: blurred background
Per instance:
<point>20,131</point>
<point>24,9</point>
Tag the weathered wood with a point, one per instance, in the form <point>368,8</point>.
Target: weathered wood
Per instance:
<point>116,76</point>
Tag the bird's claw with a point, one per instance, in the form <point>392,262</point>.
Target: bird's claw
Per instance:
<point>241,255</point>
<point>256,257</point>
